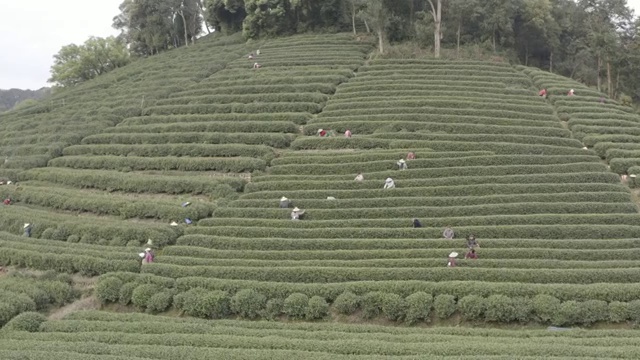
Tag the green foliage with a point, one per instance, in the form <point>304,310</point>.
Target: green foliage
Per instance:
<point>26,321</point>
<point>273,309</point>
<point>499,308</point>
<point>126,292</point>
<point>372,303</point>
<point>545,307</point>
<point>75,64</point>
<point>618,311</point>
<point>472,307</point>
<point>108,290</point>
<point>248,303</point>
<point>317,308</point>
<point>444,306</point>
<point>202,303</point>
<point>419,306</point>
<point>394,307</point>
<point>296,305</point>
<point>141,295</point>
<point>160,302</point>
<point>346,303</point>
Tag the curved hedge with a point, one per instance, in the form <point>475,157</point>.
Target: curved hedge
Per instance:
<point>267,139</point>
<point>136,163</point>
<point>158,150</point>
<point>217,126</point>
<point>296,118</point>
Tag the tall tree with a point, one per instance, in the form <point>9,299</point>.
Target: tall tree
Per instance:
<point>75,64</point>
<point>436,12</point>
<point>375,13</point>
<point>462,12</point>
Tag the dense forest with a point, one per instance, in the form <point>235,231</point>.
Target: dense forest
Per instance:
<point>12,97</point>
<point>593,41</point>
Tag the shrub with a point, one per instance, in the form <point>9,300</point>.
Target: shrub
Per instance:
<point>295,306</point>
<point>248,303</point>
<point>27,321</point>
<point>126,291</point>
<point>523,309</point>
<point>394,307</point>
<point>545,307</point>
<point>47,234</point>
<point>418,307</point>
<point>273,309</point>
<point>317,309</point>
<point>594,311</point>
<point>202,303</point>
<point>634,311</point>
<point>372,304</point>
<point>347,303</point>
<point>472,307</point>
<point>569,313</point>
<point>73,239</point>
<point>444,306</point>
<point>499,308</point>
<point>141,294</point>
<point>618,311</point>
<point>160,302</point>
<point>108,289</point>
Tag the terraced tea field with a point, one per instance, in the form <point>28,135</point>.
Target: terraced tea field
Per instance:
<point>104,168</point>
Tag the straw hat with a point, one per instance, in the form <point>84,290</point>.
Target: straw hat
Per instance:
<point>389,180</point>
<point>330,198</point>
<point>147,249</point>
<point>8,182</point>
<point>571,90</point>
<point>320,130</point>
<point>149,242</point>
<point>401,161</point>
<point>296,209</point>
<point>585,148</point>
<point>283,199</point>
<point>26,226</point>
<point>453,254</point>
<point>141,255</point>
<point>173,223</point>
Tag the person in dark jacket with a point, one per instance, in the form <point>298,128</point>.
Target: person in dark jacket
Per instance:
<point>27,230</point>
<point>416,223</point>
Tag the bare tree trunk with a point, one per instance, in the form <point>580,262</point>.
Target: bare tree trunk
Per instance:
<point>599,67</point>
<point>458,40</point>
<point>184,23</point>
<point>436,11</point>
<point>526,55</point>
<point>381,40</point>
<point>494,42</point>
<point>551,62</point>
<point>353,18</point>
<point>615,93</point>
<point>366,25</point>
<point>609,80</point>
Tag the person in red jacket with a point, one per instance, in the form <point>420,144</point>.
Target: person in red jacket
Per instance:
<point>347,133</point>
<point>7,201</point>
<point>543,93</point>
<point>471,255</point>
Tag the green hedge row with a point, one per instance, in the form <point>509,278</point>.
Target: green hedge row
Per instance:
<point>453,111</point>
<point>487,253</point>
<point>88,230</point>
<point>592,140</point>
<point>416,200</point>
<point>135,163</point>
<point>435,262</point>
<point>612,154</point>
<point>601,122</point>
<point>278,80</point>
<point>429,213</point>
<point>322,88</point>
<point>297,118</point>
<point>218,126</point>
<point>368,127</point>
<point>252,108</point>
<point>342,186</point>
<point>27,162</point>
<point>269,73</point>
<point>125,207</point>
<point>450,103</point>
<point>429,164</point>
<point>623,165</point>
<point>472,140</point>
<point>247,98</point>
<point>602,148</point>
<point>389,222</point>
<point>496,232</point>
<point>127,182</point>
<point>159,150</point>
<point>334,274</point>
<point>439,118</point>
<point>598,116</point>
<point>360,157</point>
<point>267,139</point>
<point>436,242</point>
<point>605,130</point>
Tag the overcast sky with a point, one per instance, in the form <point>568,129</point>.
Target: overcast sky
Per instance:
<point>32,31</point>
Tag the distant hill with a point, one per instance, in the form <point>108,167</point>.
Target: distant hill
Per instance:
<point>9,98</point>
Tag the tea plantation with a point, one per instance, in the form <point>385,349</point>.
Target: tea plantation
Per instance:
<point>200,138</point>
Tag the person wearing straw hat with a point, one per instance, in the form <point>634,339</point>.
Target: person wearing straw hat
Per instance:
<point>322,132</point>
<point>27,230</point>
<point>296,213</point>
<point>389,184</point>
<point>284,203</point>
<point>359,177</point>
<point>571,93</point>
<point>452,259</point>
<point>402,165</point>
<point>173,223</point>
<point>448,233</point>
<point>148,256</point>
<point>257,66</point>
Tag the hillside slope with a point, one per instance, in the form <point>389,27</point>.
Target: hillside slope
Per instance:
<point>108,166</point>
